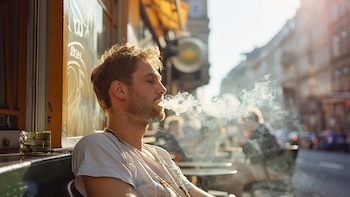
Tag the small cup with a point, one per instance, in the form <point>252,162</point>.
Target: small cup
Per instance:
<point>33,142</point>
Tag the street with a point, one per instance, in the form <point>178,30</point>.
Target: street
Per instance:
<point>319,173</point>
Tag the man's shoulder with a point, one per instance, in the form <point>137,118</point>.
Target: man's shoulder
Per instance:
<point>94,136</point>
<point>92,140</point>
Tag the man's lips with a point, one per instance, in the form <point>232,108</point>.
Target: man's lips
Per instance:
<point>159,105</point>
<point>159,102</point>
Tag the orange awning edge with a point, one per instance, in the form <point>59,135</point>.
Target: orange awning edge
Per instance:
<point>167,15</point>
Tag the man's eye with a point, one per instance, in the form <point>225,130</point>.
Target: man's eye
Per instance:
<point>151,81</point>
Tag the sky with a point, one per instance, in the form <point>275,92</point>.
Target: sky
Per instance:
<point>238,26</point>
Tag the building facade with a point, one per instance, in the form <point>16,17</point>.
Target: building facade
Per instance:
<point>309,60</point>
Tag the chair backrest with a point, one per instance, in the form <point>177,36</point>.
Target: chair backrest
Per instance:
<point>71,191</point>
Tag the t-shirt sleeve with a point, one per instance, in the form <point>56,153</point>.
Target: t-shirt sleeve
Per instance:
<point>96,155</point>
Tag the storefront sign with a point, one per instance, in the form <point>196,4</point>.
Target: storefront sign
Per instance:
<point>191,55</point>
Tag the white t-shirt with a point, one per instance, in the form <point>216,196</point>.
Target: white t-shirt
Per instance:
<point>104,155</point>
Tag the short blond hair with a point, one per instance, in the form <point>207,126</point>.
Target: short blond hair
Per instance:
<point>119,63</point>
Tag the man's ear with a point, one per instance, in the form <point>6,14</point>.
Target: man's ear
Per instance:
<point>118,89</point>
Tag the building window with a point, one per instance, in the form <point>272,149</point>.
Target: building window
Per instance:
<point>336,79</point>
<point>304,89</point>
<point>336,46</point>
<point>334,12</point>
<point>345,82</point>
<point>323,84</point>
<point>196,9</point>
<point>343,42</point>
<point>304,64</point>
<point>348,38</point>
<point>342,7</point>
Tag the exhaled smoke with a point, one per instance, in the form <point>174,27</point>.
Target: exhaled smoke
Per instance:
<point>231,106</point>
<point>180,103</point>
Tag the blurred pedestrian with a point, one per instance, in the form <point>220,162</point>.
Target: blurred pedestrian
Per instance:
<point>264,157</point>
<point>167,139</point>
<point>192,131</point>
<point>174,124</point>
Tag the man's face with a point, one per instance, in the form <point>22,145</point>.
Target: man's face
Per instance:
<point>174,126</point>
<point>146,93</point>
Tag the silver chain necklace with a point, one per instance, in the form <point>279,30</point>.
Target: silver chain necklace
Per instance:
<point>160,179</point>
<point>173,175</point>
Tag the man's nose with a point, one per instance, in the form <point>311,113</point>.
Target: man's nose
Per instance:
<point>162,89</point>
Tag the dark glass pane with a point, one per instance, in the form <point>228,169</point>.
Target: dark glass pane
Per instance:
<point>107,30</point>
<point>14,32</point>
<point>104,36</point>
<point>2,59</point>
<point>115,34</point>
<point>115,11</point>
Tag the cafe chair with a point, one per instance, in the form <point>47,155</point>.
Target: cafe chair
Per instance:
<point>71,191</point>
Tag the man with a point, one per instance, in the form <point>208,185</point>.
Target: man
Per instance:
<point>174,124</point>
<point>127,84</point>
<point>266,160</point>
<point>169,138</point>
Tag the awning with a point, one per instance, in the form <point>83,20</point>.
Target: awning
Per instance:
<point>165,15</point>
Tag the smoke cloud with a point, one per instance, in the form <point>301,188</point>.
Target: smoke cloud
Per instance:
<point>230,106</point>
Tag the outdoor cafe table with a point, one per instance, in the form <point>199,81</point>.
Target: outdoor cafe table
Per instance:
<point>203,164</point>
<point>199,171</point>
<point>202,176</point>
<point>208,171</point>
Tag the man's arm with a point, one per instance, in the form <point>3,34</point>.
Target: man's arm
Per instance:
<point>107,187</point>
<point>197,192</point>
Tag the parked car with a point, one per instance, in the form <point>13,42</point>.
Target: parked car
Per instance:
<point>308,139</point>
<point>292,139</point>
<point>331,140</point>
<point>298,139</point>
<point>282,136</point>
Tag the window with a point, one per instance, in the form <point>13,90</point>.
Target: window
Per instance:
<point>304,89</point>
<point>343,42</point>
<point>12,64</point>
<point>91,29</point>
<point>323,84</point>
<point>341,78</point>
<point>334,12</point>
<point>304,64</point>
<point>196,9</point>
<point>335,46</point>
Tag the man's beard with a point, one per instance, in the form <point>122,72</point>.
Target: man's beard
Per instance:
<point>140,106</point>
